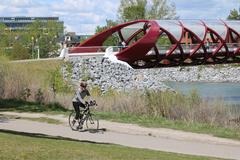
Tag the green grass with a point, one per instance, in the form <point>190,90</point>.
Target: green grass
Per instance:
<point>23,146</point>
<point>23,106</point>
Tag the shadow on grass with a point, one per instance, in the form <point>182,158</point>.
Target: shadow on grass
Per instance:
<point>24,106</point>
<point>39,135</point>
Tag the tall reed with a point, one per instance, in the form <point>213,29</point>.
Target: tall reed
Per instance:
<point>174,106</point>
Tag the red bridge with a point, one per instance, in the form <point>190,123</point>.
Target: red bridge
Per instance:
<point>166,43</point>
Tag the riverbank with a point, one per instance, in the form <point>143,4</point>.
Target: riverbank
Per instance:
<point>107,74</point>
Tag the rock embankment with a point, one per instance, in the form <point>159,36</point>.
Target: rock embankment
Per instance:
<point>107,74</point>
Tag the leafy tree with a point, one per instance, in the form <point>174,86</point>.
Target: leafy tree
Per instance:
<point>52,32</point>
<point>34,30</point>
<point>44,36</point>
<point>110,23</point>
<point>3,39</point>
<point>161,10</point>
<point>146,9</point>
<point>112,40</point>
<point>132,10</point>
<point>19,51</point>
<point>2,28</point>
<point>21,44</point>
<point>234,15</point>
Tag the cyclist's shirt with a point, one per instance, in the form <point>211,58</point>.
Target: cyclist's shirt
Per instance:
<point>80,95</point>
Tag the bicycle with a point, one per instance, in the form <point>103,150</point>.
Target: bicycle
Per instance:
<point>92,123</point>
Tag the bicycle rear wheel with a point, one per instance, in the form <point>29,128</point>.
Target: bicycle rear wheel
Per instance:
<point>92,124</point>
<point>73,123</point>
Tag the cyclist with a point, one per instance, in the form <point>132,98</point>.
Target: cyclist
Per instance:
<point>78,99</point>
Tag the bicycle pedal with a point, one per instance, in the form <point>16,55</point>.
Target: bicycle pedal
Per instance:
<point>80,127</point>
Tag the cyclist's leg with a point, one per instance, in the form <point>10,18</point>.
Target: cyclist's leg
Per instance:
<point>77,109</point>
<point>81,106</point>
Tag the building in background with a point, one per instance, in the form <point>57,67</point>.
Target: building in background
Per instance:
<point>71,39</point>
<point>20,23</point>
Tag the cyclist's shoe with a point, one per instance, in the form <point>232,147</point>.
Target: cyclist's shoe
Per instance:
<point>80,126</point>
<point>73,122</point>
<point>91,103</point>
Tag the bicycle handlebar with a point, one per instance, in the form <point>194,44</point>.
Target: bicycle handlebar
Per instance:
<point>91,103</point>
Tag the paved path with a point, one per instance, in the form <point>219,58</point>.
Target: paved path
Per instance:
<point>131,135</point>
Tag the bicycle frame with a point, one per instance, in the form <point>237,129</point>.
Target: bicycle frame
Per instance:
<point>87,118</point>
<point>86,113</point>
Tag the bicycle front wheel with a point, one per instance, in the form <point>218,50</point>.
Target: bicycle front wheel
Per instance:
<point>72,122</point>
<point>92,124</point>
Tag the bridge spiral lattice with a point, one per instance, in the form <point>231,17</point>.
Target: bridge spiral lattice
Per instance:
<point>165,43</point>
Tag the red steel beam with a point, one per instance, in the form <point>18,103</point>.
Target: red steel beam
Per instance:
<point>139,49</point>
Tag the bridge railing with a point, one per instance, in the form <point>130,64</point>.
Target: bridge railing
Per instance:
<point>91,49</point>
<point>163,49</point>
<point>232,47</point>
<point>189,48</point>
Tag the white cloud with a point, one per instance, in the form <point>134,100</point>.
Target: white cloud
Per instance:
<point>74,6</point>
<point>21,3</point>
<point>211,9</point>
<point>85,15</point>
<point>39,11</point>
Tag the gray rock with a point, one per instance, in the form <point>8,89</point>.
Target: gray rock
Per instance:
<point>120,77</point>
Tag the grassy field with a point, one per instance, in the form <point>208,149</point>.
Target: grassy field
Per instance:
<point>32,80</point>
<point>38,71</point>
<point>22,146</point>
<point>23,106</point>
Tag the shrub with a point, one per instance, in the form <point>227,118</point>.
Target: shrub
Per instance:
<point>19,52</point>
<point>25,94</point>
<point>39,97</point>
<point>174,106</point>
<point>57,82</point>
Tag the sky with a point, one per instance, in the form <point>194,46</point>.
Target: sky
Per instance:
<point>82,16</point>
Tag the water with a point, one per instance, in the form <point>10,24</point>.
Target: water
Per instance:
<point>228,92</point>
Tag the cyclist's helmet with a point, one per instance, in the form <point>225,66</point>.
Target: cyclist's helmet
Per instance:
<point>83,84</point>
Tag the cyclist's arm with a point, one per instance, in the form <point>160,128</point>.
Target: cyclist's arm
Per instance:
<point>80,98</point>
<point>89,96</point>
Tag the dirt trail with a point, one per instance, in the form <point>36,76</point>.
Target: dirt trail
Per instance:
<point>130,135</point>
